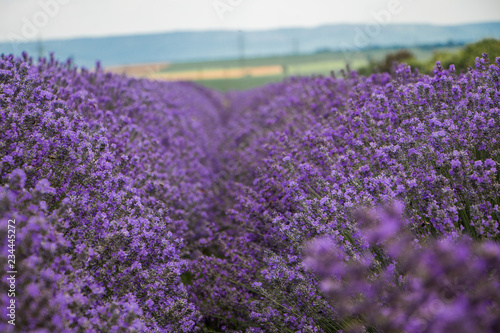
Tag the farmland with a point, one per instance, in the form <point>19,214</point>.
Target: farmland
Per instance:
<point>244,74</point>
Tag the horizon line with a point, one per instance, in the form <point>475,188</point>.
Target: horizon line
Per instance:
<point>56,39</point>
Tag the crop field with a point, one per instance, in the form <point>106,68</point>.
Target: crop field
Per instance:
<point>241,74</point>
<point>224,73</point>
<point>342,203</point>
<point>296,65</point>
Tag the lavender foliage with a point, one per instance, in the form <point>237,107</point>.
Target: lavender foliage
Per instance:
<point>318,204</point>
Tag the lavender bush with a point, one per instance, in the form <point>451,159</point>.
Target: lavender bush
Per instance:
<point>307,157</point>
<point>89,162</point>
<point>317,204</point>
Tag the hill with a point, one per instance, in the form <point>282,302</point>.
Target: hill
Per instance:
<point>209,45</point>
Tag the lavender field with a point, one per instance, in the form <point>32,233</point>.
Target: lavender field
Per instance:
<point>319,204</point>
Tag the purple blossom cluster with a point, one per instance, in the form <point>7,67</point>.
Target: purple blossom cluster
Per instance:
<point>308,154</point>
<point>401,284</point>
<point>102,174</point>
<point>318,204</point>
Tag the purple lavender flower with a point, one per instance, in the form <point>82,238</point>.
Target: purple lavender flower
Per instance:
<point>316,205</point>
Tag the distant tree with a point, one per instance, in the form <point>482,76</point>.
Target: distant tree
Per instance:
<point>466,58</point>
<point>445,57</point>
<point>391,59</point>
<point>462,60</point>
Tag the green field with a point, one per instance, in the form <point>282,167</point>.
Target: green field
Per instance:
<point>294,65</point>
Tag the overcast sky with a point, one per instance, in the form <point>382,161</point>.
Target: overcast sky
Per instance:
<point>78,18</point>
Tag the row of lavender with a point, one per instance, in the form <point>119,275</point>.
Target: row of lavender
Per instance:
<point>314,205</point>
<point>361,204</point>
<point>101,174</point>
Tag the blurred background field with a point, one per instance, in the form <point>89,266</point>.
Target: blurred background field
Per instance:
<point>220,74</point>
<point>241,74</point>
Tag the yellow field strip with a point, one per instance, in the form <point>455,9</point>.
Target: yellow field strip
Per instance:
<point>139,70</point>
<point>211,74</point>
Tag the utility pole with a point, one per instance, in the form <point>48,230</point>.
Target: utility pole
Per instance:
<point>40,49</point>
<point>295,46</point>
<point>241,47</point>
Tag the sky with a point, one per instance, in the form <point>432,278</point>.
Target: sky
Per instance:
<point>61,19</point>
